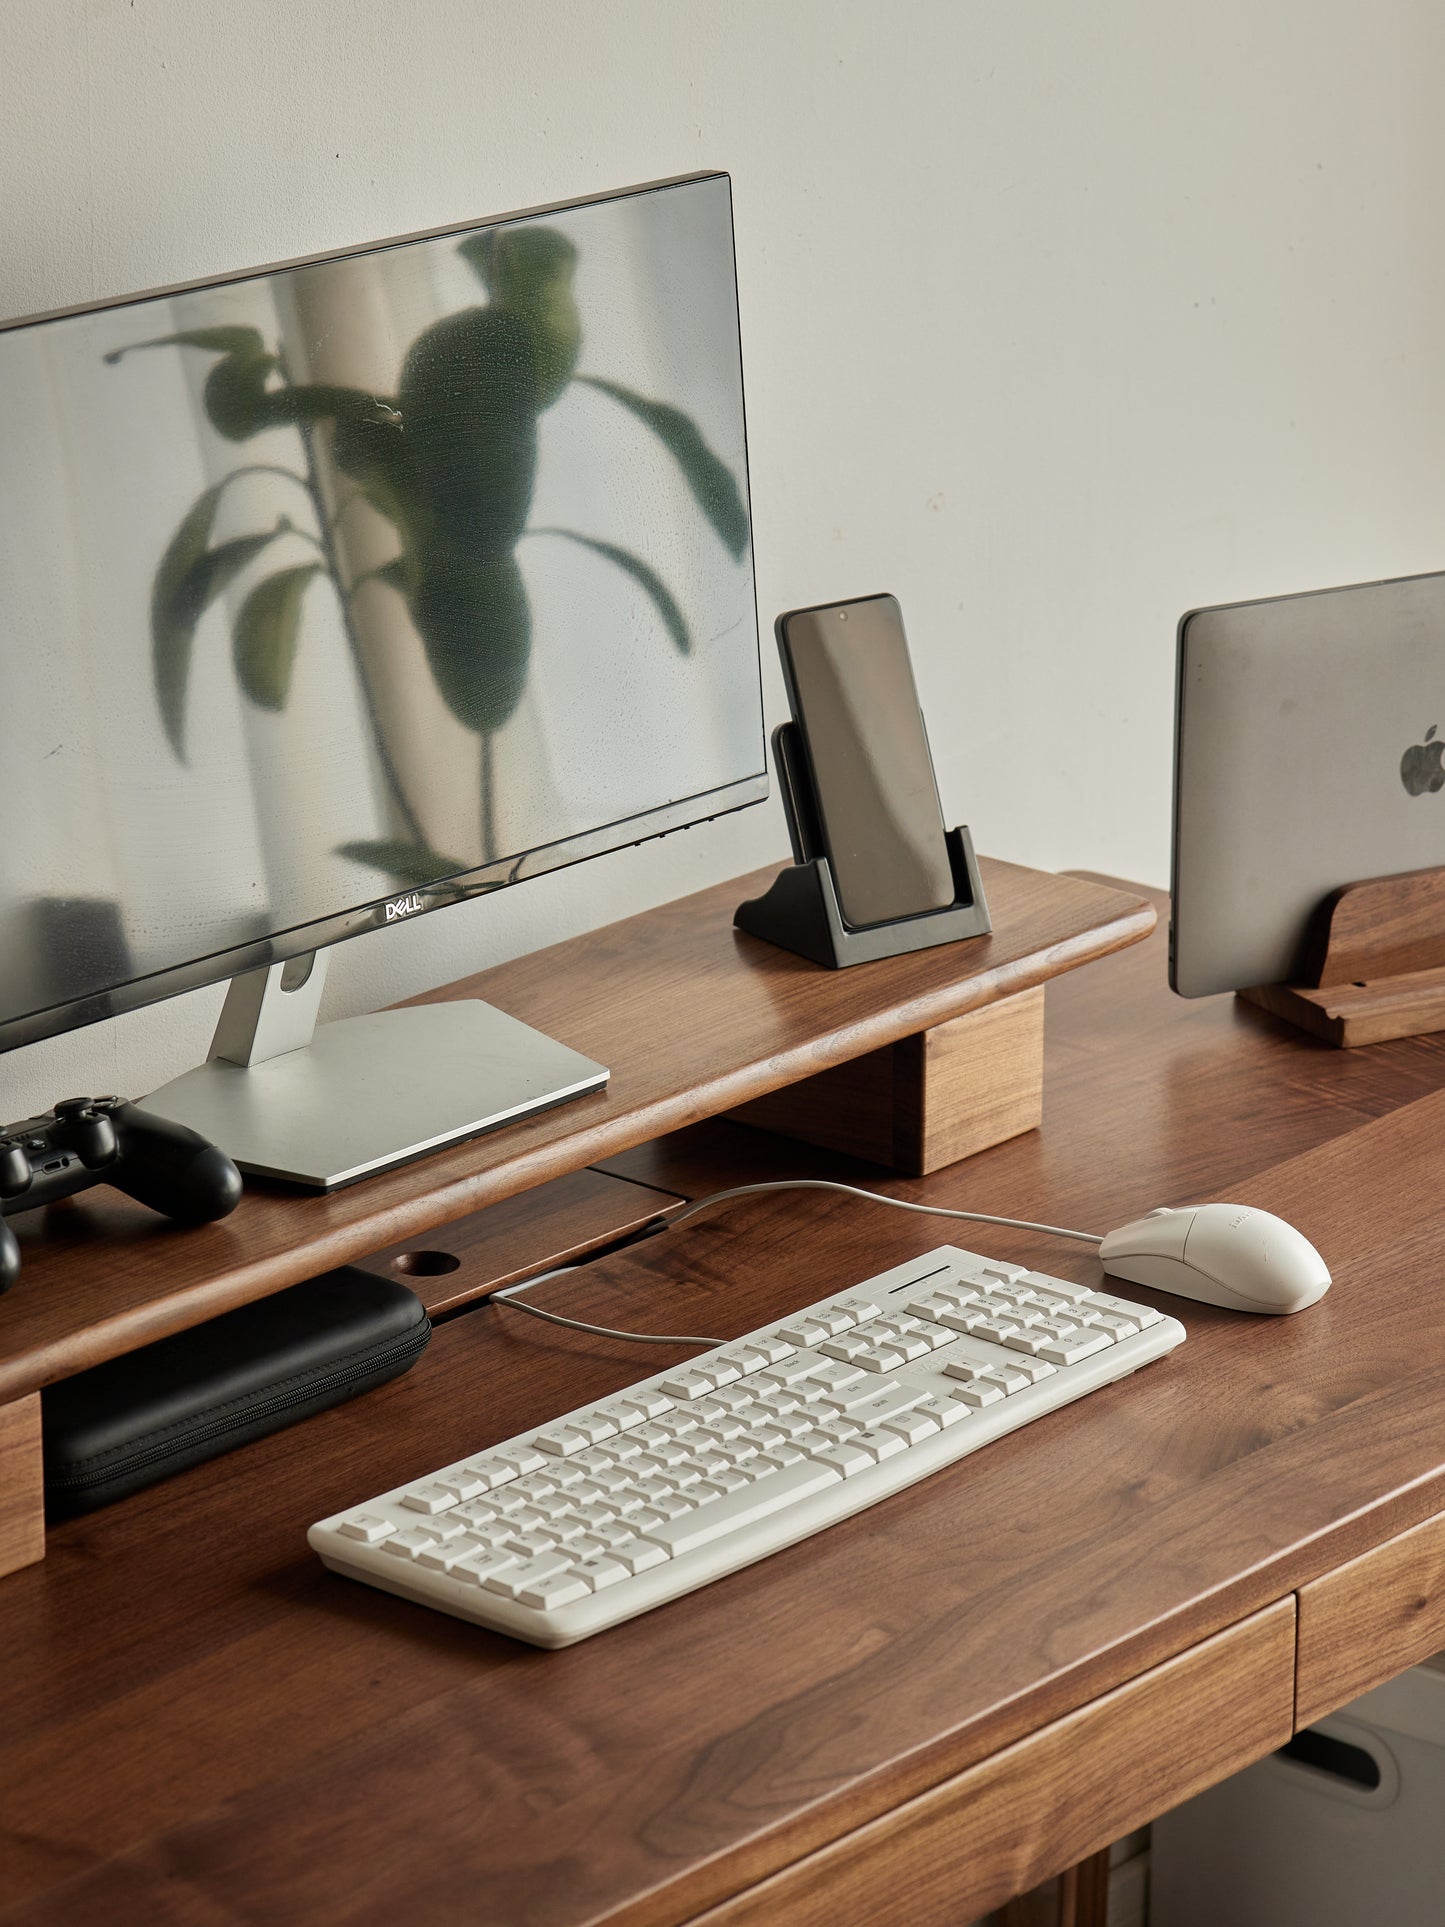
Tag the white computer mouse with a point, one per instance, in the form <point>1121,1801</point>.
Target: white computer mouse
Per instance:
<point>1223,1254</point>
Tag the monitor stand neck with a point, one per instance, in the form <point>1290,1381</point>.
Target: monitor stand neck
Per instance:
<point>269,1012</point>
<point>324,1105</point>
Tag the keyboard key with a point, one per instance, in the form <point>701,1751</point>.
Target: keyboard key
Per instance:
<point>442,1558</point>
<point>430,1497</point>
<point>514,1460</point>
<point>530,1544</point>
<point>1033,1344</point>
<point>640,1555</point>
<point>476,1568</point>
<point>558,1589</point>
<point>688,1384</point>
<point>776,1348</point>
<point>367,1527</point>
<point>595,1426</point>
<point>465,1483</point>
<point>650,1404</point>
<point>743,1508</point>
<point>1143,1315</point>
<point>978,1395</point>
<point>1033,1369</point>
<point>1068,1351</point>
<point>406,1545</point>
<point>1059,1287</point>
<point>845,1457</point>
<point>887,1398</point>
<point>789,1371</point>
<point>564,1530</point>
<point>994,1328</point>
<point>880,1443</point>
<point>1110,1322</point>
<point>912,1427</point>
<point>494,1472</point>
<point>1006,1379</point>
<point>992,1272</point>
<point>882,1358</point>
<point>600,1570</point>
<point>536,1485</point>
<point>834,1377</point>
<point>945,1411</point>
<point>858,1305</point>
<point>807,1331</point>
<point>935,1307</point>
<point>845,1348</point>
<point>747,1358</point>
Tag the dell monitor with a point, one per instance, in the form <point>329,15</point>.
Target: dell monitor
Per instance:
<point>343,591</point>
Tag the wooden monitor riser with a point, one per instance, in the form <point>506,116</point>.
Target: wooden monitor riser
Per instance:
<point>911,1061</point>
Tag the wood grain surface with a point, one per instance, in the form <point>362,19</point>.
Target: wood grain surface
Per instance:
<point>556,1224</point>
<point>22,1489</point>
<point>1385,927</point>
<point>1370,1619</point>
<point>199,1723</point>
<point>1028,1812</point>
<point>691,1015</point>
<point>928,1100</point>
<point>1351,1014</point>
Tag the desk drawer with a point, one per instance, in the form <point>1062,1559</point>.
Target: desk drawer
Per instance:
<point>1367,1621</point>
<point>1050,1800</point>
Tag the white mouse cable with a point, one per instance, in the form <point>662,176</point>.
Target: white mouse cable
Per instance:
<point>508,1295</point>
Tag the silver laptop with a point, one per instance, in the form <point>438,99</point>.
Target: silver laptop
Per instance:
<point>1308,754</point>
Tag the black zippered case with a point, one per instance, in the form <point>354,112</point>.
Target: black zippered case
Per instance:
<point>134,1420</point>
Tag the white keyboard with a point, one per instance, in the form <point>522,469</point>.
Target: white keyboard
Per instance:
<point>646,1495</point>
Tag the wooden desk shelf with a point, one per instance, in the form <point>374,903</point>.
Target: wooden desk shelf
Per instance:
<point>693,1017</point>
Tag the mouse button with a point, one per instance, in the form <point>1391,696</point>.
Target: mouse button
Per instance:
<point>1246,1250</point>
<point>1162,1234</point>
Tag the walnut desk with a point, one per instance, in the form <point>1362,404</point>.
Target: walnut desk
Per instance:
<point>905,1720</point>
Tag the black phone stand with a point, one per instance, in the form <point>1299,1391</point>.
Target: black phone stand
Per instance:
<point>801,912</point>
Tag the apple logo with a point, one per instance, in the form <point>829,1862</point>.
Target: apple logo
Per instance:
<point>1420,768</point>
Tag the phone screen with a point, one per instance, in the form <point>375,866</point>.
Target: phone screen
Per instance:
<point>855,703</point>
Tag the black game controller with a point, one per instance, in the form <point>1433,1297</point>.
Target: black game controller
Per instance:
<point>102,1140</point>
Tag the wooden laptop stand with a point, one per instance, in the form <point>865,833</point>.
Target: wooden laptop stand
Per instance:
<point>1381,969</point>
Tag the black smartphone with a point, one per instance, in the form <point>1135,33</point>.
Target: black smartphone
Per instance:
<point>853,697</point>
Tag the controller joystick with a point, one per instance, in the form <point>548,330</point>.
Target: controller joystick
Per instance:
<point>87,1141</point>
<point>89,1133</point>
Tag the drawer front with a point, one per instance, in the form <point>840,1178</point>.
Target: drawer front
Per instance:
<point>1365,1622</point>
<point>1050,1800</point>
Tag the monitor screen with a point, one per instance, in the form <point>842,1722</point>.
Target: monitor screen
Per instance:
<point>338,592</point>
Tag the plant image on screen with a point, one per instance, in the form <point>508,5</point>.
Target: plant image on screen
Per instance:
<point>450,460</point>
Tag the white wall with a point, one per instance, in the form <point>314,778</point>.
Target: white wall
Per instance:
<point>1057,319</point>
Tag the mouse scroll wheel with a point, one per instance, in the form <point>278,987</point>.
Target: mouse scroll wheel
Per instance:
<point>1160,1211</point>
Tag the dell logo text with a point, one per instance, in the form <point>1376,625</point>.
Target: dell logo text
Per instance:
<point>403,906</point>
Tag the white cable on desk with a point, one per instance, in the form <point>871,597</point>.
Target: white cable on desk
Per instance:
<point>508,1294</point>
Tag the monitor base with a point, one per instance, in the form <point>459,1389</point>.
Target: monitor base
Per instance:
<point>371,1092</point>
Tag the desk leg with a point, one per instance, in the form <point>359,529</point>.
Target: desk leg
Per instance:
<point>22,1485</point>
<point>1084,1893</point>
<point>927,1100</point>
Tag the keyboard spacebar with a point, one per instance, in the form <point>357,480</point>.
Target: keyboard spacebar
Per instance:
<point>713,1521</point>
